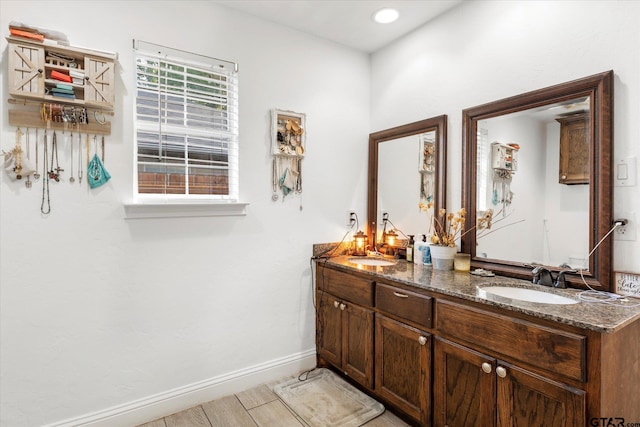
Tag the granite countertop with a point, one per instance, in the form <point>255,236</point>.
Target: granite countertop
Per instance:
<point>597,316</point>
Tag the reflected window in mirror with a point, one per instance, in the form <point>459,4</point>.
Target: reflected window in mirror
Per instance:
<point>553,203</point>
<point>407,167</point>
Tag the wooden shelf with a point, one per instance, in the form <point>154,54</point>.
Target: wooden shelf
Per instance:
<point>31,119</point>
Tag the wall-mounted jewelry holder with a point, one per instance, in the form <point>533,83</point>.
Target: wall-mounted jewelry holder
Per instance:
<point>504,162</point>
<point>427,146</point>
<point>56,116</point>
<point>288,138</point>
<point>58,93</point>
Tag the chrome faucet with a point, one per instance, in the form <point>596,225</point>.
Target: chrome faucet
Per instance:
<point>561,282</point>
<point>542,276</point>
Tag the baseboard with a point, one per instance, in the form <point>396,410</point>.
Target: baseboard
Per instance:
<point>176,400</point>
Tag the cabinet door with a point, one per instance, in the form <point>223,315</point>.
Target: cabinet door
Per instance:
<point>574,149</point>
<point>357,343</point>
<point>527,399</point>
<point>329,329</point>
<point>464,386</point>
<point>99,79</point>
<point>403,367</point>
<point>26,70</point>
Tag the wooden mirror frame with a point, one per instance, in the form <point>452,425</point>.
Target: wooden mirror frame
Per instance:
<point>599,88</point>
<point>437,124</point>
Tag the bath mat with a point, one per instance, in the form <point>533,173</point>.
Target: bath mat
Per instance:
<point>325,400</point>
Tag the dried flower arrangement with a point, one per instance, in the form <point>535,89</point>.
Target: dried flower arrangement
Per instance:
<point>447,227</point>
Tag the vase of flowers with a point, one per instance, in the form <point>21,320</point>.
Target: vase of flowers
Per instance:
<point>443,256</point>
<point>446,228</point>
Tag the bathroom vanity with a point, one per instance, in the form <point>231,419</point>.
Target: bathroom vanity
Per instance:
<point>437,349</point>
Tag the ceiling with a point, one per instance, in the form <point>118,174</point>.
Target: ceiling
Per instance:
<point>347,22</point>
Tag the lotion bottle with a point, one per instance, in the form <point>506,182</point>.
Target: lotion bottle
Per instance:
<point>418,252</point>
<point>410,249</point>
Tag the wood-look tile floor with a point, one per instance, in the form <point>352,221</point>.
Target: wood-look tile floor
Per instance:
<point>259,406</point>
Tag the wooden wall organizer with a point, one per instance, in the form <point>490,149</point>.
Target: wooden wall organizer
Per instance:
<point>29,117</point>
<point>30,68</point>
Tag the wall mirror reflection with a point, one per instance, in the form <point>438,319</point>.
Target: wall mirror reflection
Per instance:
<point>407,167</point>
<point>541,163</point>
<point>520,178</point>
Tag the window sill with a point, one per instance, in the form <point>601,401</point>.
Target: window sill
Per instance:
<point>185,209</point>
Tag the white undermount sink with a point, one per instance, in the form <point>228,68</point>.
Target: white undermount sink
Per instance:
<point>371,261</point>
<point>522,294</point>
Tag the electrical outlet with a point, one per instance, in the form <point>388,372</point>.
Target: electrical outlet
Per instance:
<point>351,218</point>
<point>628,231</point>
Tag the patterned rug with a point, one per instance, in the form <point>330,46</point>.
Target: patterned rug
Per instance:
<point>324,399</point>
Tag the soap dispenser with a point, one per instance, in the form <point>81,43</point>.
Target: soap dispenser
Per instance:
<point>417,251</point>
<point>410,249</point>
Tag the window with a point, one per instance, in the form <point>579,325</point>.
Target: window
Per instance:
<point>186,125</point>
<point>482,168</point>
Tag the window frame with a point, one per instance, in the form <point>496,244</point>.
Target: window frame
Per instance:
<point>228,132</point>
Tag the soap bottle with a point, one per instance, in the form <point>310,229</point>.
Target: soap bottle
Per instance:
<point>410,247</point>
<point>426,254</point>
<point>417,250</point>
<point>422,250</point>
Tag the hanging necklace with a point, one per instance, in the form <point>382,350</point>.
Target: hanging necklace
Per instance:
<point>71,179</point>
<point>28,182</point>
<point>36,175</point>
<point>79,158</point>
<point>17,154</point>
<point>274,180</point>
<point>45,180</point>
<point>55,173</point>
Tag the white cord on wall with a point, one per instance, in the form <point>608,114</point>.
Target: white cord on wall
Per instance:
<point>603,297</point>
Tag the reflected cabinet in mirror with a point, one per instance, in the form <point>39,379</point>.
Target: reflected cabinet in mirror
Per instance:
<point>538,166</point>
<point>407,167</point>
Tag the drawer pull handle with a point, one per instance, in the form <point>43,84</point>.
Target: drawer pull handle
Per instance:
<point>502,372</point>
<point>422,340</point>
<point>399,295</point>
<point>336,304</point>
<point>342,306</point>
<point>486,368</point>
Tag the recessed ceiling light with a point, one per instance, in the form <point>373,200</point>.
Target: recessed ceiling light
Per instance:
<point>386,15</point>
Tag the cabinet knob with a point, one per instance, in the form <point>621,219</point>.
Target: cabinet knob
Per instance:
<point>336,304</point>
<point>342,306</point>
<point>502,372</point>
<point>39,70</point>
<point>486,368</point>
<point>422,340</point>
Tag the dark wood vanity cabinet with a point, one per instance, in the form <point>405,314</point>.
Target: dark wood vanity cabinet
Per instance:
<point>464,388</point>
<point>445,361</point>
<point>473,389</point>
<point>574,149</point>
<point>474,382</point>
<point>344,324</point>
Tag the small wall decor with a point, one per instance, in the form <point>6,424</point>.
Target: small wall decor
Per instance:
<point>504,162</point>
<point>287,148</point>
<point>427,144</point>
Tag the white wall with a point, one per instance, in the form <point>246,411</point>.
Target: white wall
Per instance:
<point>488,50</point>
<point>93,313</point>
<point>102,312</point>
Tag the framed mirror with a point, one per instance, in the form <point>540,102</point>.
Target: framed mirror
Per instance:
<point>540,164</point>
<point>407,166</point>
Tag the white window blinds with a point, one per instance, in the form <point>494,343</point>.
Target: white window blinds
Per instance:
<point>186,124</point>
<point>482,169</point>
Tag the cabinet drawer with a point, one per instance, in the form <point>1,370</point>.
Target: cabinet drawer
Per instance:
<point>550,349</point>
<point>344,285</point>
<point>407,305</point>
